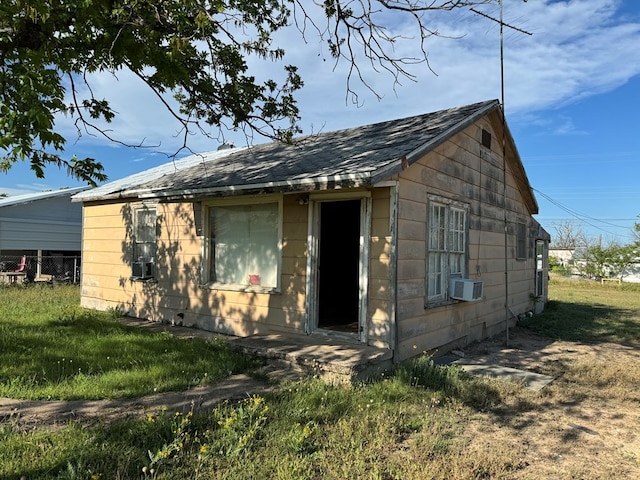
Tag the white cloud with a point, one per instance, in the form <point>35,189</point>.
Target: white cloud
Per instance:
<point>578,48</point>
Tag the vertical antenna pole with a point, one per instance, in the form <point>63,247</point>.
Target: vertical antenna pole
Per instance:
<point>507,315</point>
<point>501,57</point>
<point>500,21</point>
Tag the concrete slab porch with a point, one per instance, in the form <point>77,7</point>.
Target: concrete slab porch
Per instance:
<point>333,357</point>
<point>338,358</point>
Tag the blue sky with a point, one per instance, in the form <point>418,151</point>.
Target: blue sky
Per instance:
<point>572,97</point>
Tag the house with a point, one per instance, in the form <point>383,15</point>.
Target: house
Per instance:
<point>575,261</point>
<point>633,274</point>
<point>45,227</point>
<point>392,235</point>
<point>564,256</point>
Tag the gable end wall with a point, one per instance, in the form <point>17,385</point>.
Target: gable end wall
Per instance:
<point>463,171</point>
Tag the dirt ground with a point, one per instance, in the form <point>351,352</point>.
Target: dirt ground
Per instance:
<point>564,431</point>
<point>567,430</point>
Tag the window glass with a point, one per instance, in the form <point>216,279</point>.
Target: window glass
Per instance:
<point>244,245</point>
<point>145,235</point>
<point>144,244</point>
<point>437,227</point>
<point>435,275</point>
<point>457,230</point>
<point>539,267</point>
<point>447,248</point>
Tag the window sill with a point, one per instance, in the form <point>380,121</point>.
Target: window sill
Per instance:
<point>242,288</point>
<point>441,303</point>
<point>143,279</point>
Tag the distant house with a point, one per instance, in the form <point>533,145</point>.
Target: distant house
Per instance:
<point>564,256</point>
<point>574,260</point>
<point>42,225</point>
<point>633,274</point>
<point>392,235</point>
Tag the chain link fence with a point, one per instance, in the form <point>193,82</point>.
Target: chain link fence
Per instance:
<point>56,268</point>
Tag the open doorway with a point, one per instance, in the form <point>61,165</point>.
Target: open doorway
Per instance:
<point>339,266</point>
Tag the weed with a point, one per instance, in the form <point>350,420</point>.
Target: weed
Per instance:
<point>301,440</point>
<point>238,426</point>
<point>450,380</point>
<point>181,438</point>
<point>229,431</point>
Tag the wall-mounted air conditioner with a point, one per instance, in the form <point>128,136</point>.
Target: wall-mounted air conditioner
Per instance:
<point>142,270</point>
<point>465,289</point>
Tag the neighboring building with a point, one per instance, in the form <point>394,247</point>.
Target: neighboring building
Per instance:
<point>564,256</point>
<point>573,259</point>
<point>633,274</point>
<point>46,227</point>
<point>390,234</point>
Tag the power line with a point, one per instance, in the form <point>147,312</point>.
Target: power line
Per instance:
<point>599,219</point>
<point>580,216</point>
<point>609,219</point>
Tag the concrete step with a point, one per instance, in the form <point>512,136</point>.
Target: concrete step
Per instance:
<point>330,358</point>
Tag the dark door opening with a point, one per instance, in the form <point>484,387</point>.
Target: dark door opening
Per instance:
<point>338,265</point>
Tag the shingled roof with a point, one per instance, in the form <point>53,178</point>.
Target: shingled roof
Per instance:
<point>354,157</point>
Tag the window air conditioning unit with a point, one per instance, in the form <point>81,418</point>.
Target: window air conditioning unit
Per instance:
<point>142,270</point>
<point>465,289</point>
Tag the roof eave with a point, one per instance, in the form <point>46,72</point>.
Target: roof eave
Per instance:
<point>119,195</point>
<point>330,182</point>
<point>40,196</point>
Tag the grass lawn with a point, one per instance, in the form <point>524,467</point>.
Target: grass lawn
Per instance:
<point>423,422</point>
<point>582,311</point>
<point>50,348</point>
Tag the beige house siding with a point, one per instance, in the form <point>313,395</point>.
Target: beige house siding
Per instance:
<point>463,171</point>
<point>178,290</point>
<point>379,299</point>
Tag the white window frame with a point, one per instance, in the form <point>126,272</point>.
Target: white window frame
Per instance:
<point>207,244</point>
<point>540,267</point>
<point>447,247</point>
<point>152,240</point>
